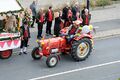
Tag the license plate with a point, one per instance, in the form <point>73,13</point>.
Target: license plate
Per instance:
<point>54,50</point>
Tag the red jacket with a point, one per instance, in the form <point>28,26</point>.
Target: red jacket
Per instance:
<point>73,30</point>
<point>49,15</point>
<point>40,18</point>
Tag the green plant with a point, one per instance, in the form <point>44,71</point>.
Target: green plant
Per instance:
<point>92,3</point>
<point>103,2</point>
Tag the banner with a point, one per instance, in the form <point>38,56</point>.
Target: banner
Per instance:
<point>2,44</point>
<point>16,42</point>
<point>9,43</point>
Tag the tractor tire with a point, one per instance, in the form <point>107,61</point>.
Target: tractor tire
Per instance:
<point>81,49</point>
<point>5,54</point>
<point>35,54</point>
<point>52,60</point>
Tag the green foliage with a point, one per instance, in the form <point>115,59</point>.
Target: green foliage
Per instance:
<point>103,2</point>
<point>115,0</point>
<point>118,78</point>
<point>92,3</point>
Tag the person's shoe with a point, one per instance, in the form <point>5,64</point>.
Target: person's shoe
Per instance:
<point>50,34</point>
<point>47,34</point>
<point>25,52</point>
<point>39,37</point>
<point>20,53</point>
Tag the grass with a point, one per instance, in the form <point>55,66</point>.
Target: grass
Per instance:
<point>103,2</point>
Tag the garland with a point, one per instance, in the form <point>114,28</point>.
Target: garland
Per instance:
<point>9,38</point>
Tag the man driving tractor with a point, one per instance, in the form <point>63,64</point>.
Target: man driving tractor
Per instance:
<point>74,29</point>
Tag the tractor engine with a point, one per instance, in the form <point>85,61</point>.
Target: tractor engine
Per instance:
<point>52,45</point>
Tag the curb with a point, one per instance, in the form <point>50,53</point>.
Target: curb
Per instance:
<point>103,8</point>
<point>108,33</point>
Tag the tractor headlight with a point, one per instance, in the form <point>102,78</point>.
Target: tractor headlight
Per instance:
<point>42,44</point>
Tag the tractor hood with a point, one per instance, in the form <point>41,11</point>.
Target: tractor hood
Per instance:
<point>53,42</point>
<point>9,6</point>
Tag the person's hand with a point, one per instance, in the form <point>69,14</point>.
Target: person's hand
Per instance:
<point>22,38</point>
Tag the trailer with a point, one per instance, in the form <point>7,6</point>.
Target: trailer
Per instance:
<point>8,40</point>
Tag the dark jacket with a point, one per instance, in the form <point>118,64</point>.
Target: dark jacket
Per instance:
<point>65,13</point>
<point>84,19</point>
<point>57,26</point>
<point>23,30</point>
<point>38,18</point>
<point>75,10</point>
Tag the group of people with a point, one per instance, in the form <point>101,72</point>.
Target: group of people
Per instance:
<point>63,18</point>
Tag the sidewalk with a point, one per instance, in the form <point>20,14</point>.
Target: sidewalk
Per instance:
<point>110,19</point>
<point>106,13</point>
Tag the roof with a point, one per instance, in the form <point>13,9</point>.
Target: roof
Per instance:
<point>9,6</point>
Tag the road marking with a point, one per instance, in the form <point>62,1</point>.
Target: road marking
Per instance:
<point>76,70</point>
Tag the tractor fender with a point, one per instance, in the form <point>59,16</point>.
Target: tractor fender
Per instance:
<point>83,36</point>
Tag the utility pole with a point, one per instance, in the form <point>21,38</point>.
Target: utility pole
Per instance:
<point>88,4</point>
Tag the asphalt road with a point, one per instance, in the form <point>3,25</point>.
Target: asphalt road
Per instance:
<point>107,25</point>
<point>106,51</point>
<point>24,67</point>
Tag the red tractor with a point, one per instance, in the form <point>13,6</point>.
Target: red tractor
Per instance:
<point>79,47</point>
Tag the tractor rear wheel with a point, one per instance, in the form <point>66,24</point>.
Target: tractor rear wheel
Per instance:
<point>81,49</point>
<point>52,60</point>
<point>5,54</point>
<point>35,54</point>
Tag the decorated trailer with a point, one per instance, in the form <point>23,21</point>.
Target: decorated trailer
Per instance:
<point>8,40</point>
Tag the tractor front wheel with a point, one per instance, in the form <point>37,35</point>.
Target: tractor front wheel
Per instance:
<point>35,54</point>
<point>81,49</point>
<point>52,60</point>
<point>5,54</point>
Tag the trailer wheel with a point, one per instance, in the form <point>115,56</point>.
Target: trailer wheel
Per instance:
<point>52,60</point>
<point>81,49</point>
<point>35,54</point>
<point>5,54</point>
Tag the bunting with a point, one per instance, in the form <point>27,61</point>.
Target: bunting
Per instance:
<point>2,43</point>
